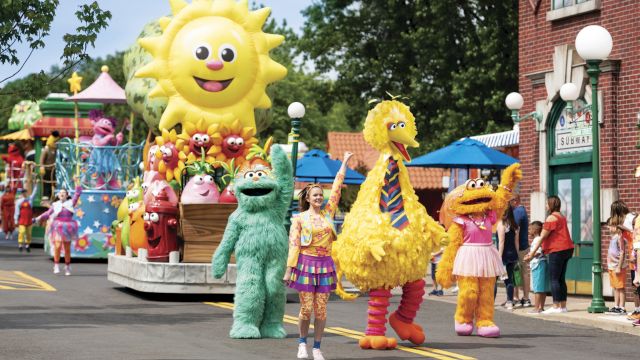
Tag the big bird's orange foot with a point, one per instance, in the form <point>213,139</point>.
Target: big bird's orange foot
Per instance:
<point>407,331</point>
<point>378,342</point>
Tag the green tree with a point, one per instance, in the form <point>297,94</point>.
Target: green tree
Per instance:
<point>455,60</point>
<point>29,21</point>
<point>322,114</point>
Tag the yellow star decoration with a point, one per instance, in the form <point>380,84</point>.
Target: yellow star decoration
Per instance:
<point>188,131</point>
<point>223,31</point>
<point>80,213</point>
<point>167,142</point>
<point>235,128</point>
<point>75,83</point>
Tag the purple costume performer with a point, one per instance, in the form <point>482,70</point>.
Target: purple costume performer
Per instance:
<point>62,228</point>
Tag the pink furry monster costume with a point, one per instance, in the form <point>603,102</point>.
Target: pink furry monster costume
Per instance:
<point>103,160</point>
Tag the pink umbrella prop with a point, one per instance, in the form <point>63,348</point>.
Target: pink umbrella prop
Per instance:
<point>104,90</point>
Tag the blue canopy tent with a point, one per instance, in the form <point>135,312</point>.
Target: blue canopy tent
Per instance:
<point>317,166</point>
<point>464,154</point>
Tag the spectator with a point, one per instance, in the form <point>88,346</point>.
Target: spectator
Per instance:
<point>617,266</point>
<point>522,220</point>
<point>620,212</point>
<point>539,269</point>
<point>435,259</point>
<point>507,230</point>
<point>557,245</point>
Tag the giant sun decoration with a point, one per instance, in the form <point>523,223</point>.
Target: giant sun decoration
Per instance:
<point>212,62</point>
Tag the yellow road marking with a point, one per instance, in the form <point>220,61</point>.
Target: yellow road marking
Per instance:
<point>17,280</point>
<point>357,335</point>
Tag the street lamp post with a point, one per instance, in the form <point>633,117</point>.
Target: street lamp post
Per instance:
<point>296,113</point>
<point>593,44</point>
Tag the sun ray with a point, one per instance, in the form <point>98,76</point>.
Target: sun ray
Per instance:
<point>177,6</point>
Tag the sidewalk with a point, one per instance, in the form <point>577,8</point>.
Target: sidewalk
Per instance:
<point>577,315</point>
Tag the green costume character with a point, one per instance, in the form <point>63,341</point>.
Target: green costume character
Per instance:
<point>256,233</point>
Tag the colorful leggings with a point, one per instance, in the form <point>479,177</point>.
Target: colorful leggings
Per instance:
<point>313,301</point>
<point>24,234</point>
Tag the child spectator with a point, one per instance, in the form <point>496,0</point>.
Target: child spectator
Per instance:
<point>435,259</point>
<point>616,263</point>
<point>628,234</point>
<point>540,283</point>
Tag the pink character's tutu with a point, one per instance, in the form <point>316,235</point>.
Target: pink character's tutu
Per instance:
<point>478,260</point>
<point>62,230</point>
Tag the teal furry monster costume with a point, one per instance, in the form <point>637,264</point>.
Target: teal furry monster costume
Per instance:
<point>256,233</point>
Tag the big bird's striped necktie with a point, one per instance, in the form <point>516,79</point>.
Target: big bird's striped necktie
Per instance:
<point>391,200</point>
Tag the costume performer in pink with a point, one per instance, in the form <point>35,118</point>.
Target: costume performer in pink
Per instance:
<point>63,229</point>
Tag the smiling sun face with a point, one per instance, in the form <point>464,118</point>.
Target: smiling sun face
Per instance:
<point>212,62</point>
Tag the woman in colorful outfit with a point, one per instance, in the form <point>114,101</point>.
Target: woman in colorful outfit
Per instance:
<point>63,228</point>
<point>310,268</point>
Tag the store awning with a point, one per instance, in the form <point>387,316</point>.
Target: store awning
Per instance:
<point>23,134</point>
<point>65,126</point>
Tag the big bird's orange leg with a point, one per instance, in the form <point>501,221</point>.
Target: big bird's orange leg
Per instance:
<point>467,302</point>
<point>374,335</point>
<point>402,320</point>
<point>484,312</point>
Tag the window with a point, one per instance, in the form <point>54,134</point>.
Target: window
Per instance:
<point>557,4</point>
<point>561,9</point>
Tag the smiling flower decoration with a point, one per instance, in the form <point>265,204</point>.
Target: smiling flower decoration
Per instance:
<point>195,139</point>
<point>233,142</point>
<point>169,165</point>
<point>212,62</point>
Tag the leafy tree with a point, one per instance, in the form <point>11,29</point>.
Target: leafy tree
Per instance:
<point>455,60</point>
<point>29,21</point>
<point>322,113</point>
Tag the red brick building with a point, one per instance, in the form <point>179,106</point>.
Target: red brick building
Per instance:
<point>556,153</point>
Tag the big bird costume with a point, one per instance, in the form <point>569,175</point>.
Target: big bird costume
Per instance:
<point>471,257</point>
<point>388,236</point>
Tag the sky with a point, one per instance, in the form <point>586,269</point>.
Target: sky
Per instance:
<point>127,19</point>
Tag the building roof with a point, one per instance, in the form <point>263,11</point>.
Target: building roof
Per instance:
<point>366,156</point>
<point>501,139</point>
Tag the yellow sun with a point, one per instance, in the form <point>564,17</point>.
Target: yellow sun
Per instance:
<point>212,62</point>
<point>168,155</point>
<point>233,142</point>
<point>195,138</point>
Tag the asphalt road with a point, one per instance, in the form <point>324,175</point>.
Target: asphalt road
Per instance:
<point>87,317</point>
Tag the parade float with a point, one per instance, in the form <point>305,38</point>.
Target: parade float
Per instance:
<point>196,77</point>
<point>103,165</point>
<point>34,123</point>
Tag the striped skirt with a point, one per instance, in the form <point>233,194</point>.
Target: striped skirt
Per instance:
<point>314,274</point>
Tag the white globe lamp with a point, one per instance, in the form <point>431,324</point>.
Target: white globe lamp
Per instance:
<point>594,43</point>
<point>296,110</point>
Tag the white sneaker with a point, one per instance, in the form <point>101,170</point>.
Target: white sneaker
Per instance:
<point>564,310</point>
<point>317,354</point>
<point>67,270</point>
<point>302,351</point>
<point>552,310</point>
<point>509,305</point>
<point>56,269</point>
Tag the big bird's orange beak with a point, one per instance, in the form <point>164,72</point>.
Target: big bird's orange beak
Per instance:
<point>400,138</point>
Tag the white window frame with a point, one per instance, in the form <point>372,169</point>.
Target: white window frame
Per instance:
<point>573,10</point>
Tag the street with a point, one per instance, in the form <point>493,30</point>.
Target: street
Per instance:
<point>87,317</point>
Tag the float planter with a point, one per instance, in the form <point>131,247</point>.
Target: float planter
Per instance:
<point>202,229</point>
